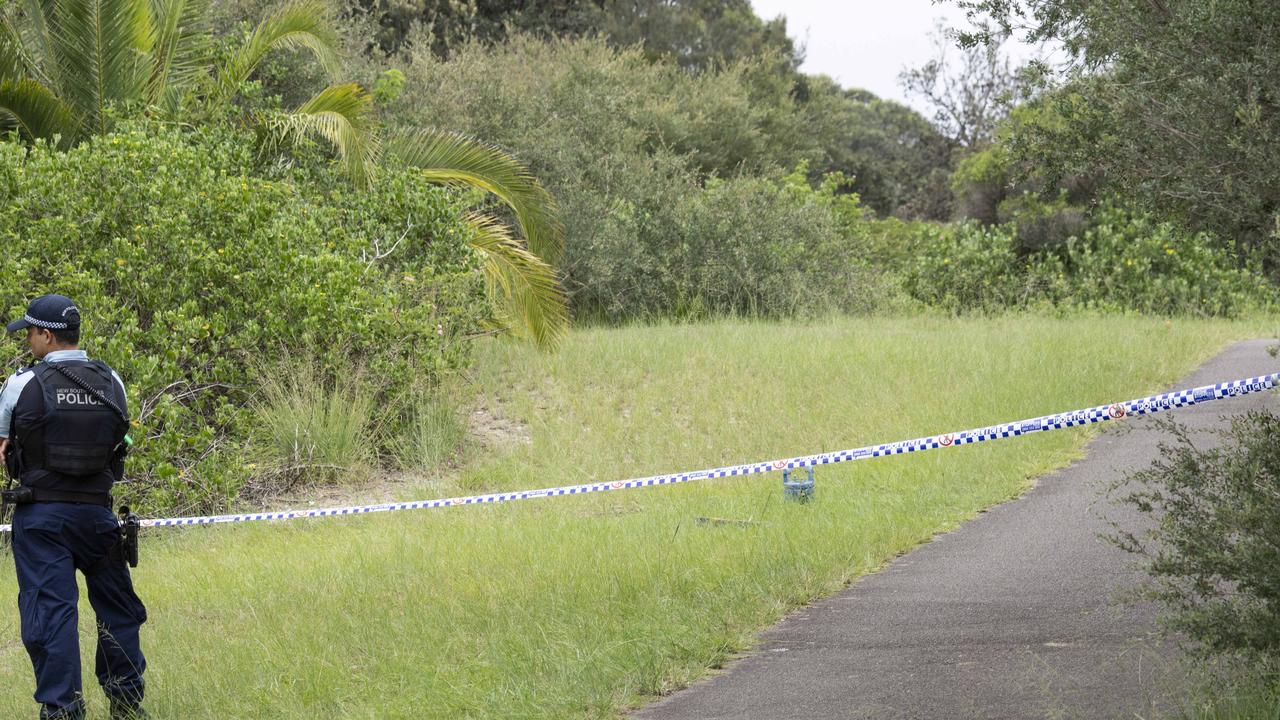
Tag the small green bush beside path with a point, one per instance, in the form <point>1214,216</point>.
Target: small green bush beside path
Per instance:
<point>1211,554</point>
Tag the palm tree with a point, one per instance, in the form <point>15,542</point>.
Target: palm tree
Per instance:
<point>68,67</point>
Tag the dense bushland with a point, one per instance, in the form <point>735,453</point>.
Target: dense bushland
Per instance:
<point>662,176</point>
<point>633,143</point>
<point>1181,119</point>
<point>199,270</point>
<point>680,197</point>
<point>68,73</point>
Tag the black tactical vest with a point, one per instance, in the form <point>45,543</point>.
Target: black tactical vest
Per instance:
<point>68,439</point>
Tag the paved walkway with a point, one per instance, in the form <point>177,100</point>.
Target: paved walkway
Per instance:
<point>1013,615</point>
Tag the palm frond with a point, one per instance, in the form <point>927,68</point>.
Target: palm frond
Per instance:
<point>99,48</point>
<point>36,37</point>
<point>530,302</point>
<point>182,43</point>
<point>299,24</point>
<point>340,114</point>
<point>456,159</point>
<point>13,61</point>
<point>34,111</point>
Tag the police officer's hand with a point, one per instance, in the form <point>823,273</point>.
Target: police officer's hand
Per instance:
<point>4,445</point>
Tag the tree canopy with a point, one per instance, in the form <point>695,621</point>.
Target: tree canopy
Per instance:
<point>697,34</point>
<point>1173,102</point>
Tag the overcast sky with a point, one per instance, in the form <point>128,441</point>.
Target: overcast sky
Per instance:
<point>866,43</point>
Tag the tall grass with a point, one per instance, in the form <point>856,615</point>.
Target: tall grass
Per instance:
<point>432,435</point>
<point>312,427</point>
<point>582,606</point>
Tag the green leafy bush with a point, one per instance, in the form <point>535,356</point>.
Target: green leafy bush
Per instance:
<point>1211,551</point>
<point>1126,260</point>
<point>562,104</point>
<point>744,246</point>
<point>1043,225</point>
<point>980,182</point>
<point>969,267</point>
<point>194,266</point>
<point>1123,261</point>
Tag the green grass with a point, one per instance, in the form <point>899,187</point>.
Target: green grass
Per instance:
<point>432,435</point>
<point>583,606</point>
<point>1246,689</point>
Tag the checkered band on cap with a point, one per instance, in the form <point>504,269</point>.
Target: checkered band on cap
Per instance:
<point>46,324</point>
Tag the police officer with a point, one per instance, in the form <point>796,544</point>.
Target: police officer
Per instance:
<point>62,428</point>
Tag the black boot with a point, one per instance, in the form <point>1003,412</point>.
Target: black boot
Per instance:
<point>75,712</point>
<point>121,710</point>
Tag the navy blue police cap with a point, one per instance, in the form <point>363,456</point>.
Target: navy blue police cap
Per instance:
<point>51,312</point>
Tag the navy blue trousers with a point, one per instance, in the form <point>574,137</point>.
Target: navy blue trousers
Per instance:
<point>50,542</point>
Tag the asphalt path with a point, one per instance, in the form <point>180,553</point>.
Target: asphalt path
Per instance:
<point>1019,613</point>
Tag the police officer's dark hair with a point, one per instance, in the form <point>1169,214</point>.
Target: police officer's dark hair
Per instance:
<point>69,336</point>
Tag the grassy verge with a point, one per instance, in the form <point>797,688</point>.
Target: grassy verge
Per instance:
<point>582,606</point>
<point>1239,690</point>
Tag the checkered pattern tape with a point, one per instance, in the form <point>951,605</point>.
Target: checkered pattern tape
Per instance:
<point>1074,418</point>
<point>46,324</point>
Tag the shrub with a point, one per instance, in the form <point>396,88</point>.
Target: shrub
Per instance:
<point>626,146</point>
<point>895,244</point>
<point>194,266</point>
<point>1042,225</point>
<point>970,267</point>
<point>1211,552</point>
<point>744,246</point>
<point>1128,260</point>
<point>980,182</point>
<point>562,104</point>
<point>750,246</point>
<point>1123,261</point>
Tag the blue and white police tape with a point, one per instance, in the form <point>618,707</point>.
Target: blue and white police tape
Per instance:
<point>1058,421</point>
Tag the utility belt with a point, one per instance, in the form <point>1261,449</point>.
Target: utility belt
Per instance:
<point>129,521</point>
<point>25,495</point>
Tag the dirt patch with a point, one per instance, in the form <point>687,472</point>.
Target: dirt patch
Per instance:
<point>491,427</point>
<point>381,487</point>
